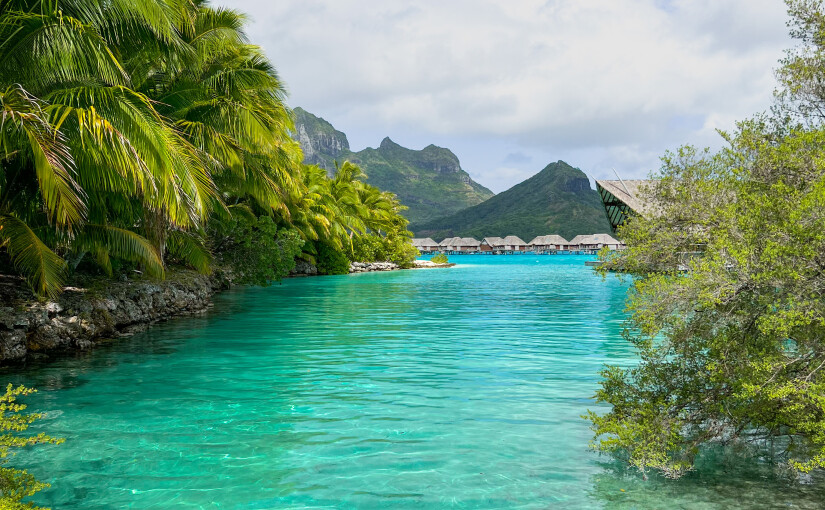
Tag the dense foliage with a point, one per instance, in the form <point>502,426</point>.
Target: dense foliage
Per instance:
<point>430,181</point>
<point>16,484</point>
<point>330,260</point>
<point>440,258</point>
<point>728,307</point>
<point>356,209</point>
<point>255,251</point>
<point>129,128</point>
<point>557,200</point>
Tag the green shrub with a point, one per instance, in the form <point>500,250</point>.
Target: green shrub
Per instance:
<point>17,484</point>
<point>376,248</point>
<point>256,251</point>
<point>330,260</point>
<point>440,258</point>
<point>368,248</point>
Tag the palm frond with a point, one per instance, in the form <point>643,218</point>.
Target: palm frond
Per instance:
<point>44,271</point>
<point>189,249</point>
<point>25,126</point>
<point>121,243</point>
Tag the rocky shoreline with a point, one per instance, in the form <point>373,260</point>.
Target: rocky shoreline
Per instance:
<point>81,317</point>
<point>366,267</point>
<point>104,309</point>
<point>303,268</point>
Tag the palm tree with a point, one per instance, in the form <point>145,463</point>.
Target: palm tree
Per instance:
<point>127,126</point>
<point>130,122</point>
<point>335,210</point>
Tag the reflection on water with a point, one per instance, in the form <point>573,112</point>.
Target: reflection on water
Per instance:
<point>458,387</point>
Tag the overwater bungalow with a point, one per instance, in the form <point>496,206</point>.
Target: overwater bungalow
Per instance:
<point>503,245</point>
<point>547,244</point>
<point>514,243</point>
<point>460,245</point>
<point>491,244</point>
<point>470,244</point>
<point>594,242</point>
<point>425,245</point>
<point>447,242</point>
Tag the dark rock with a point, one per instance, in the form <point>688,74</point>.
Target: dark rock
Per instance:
<point>80,318</point>
<point>303,268</point>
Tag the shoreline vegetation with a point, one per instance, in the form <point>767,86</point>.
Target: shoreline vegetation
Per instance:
<point>179,155</point>
<point>727,305</point>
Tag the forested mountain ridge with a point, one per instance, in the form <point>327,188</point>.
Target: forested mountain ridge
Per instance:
<point>429,181</point>
<point>557,200</point>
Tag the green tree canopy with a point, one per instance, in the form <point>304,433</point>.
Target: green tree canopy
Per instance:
<point>728,302</point>
<point>128,127</point>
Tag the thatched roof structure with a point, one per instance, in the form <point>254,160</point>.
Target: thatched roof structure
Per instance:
<point>424,243</point>
<point>469,242</point>
<point>549,240</point>
<point>594,240</point>
<point>449,242</point>
<point>622,198</point>
<point>514,241</point>
<point>454,243</point>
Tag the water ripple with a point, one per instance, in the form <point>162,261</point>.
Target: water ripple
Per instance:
<point>459,388</point>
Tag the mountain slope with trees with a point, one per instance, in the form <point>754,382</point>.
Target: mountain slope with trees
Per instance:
<point>557,200</point>
<point>430,182</point>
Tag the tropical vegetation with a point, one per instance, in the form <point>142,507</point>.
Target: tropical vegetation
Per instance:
<point>142,134</point>
<point>728,302</point>
<point>440,258</point>
<point>17,484</point>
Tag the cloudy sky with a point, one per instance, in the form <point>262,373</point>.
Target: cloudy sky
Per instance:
<point>511,86</point>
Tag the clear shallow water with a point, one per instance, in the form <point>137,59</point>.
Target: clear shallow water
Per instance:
<point>442,388</point>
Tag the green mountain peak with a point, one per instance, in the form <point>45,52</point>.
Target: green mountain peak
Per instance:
<point>429,181</point>
<point>557,200</point>
<point>388,144</point>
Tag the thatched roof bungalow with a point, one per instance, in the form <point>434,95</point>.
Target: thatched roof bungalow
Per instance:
<point>547,243</point>
<point>467,244</point>
<point>425,245</point>
<point>514,243</point>
<point>491,244</point>
<point>509,243</point>
<point>447,242</point>
<point>594,242</point>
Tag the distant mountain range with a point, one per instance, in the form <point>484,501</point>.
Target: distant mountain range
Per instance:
<point>444,201</point>
<point>430,181</point>
<point>557,200</point>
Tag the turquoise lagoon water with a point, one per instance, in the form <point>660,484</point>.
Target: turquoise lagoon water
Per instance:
<point>442,388</point>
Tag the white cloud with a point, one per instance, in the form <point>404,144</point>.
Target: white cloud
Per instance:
<point>594,79</point>
<point>502,177</point>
